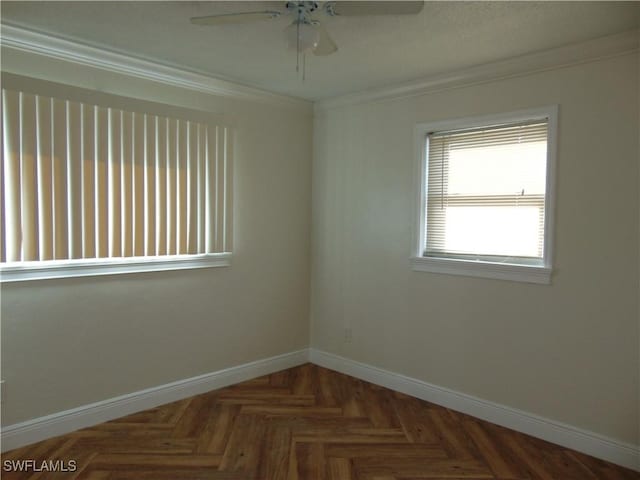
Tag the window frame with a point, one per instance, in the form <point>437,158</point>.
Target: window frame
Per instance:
<point>481,267</point>
<point>90,267</point>
<point>84,267</point>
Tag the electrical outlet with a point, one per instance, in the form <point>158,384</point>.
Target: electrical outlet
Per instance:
<point>3,391</point>
<point>348,335</point>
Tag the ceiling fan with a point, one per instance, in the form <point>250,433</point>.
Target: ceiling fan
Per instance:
<point>307,34</point>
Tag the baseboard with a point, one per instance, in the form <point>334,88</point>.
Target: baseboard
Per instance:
<point>25,433</point>
<point>613,451</point>
<point>31,431</point>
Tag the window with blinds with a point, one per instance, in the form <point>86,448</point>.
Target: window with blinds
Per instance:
<point>84,181</point>
<point>485,193</point>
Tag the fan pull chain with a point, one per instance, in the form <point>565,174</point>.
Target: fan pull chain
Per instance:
<point>304,57</point>
<point>297,47</point>
<point>304,66</point>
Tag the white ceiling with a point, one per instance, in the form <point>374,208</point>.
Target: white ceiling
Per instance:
<point>373,51</point>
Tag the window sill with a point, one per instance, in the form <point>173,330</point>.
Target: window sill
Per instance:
<point>499,271</point>
<point>22,271</point>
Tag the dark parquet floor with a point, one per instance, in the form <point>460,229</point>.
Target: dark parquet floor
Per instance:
<point>307,423</point>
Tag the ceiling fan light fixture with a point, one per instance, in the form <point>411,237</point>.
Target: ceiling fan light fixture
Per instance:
<point>302,36</point>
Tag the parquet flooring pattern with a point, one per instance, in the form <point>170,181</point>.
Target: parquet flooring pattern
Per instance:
<point>307,423</point>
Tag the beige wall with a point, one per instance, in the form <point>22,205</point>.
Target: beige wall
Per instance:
<point>568,351</point>
<point>66,343</point>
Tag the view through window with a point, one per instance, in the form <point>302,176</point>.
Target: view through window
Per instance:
<point>486,193</point>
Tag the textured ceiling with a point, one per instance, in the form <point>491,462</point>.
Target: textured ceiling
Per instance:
<point>373,51</point>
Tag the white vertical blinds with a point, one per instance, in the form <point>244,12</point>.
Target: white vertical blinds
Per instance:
<point>486,191</point>
<point>84,181</point>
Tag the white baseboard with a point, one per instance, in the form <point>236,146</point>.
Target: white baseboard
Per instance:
<point>624,454</point>
<point>31,431</point>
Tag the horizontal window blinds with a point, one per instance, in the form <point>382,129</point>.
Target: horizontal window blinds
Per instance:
<point>84,181</point>
<point>486,191</point>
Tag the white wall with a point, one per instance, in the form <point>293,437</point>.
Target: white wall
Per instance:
<point>67,343</point>
<point>568,351</point>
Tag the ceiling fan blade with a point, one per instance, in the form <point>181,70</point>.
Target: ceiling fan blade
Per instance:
<point>326,45</point>
<point>350,8</point>
<point>235,18</point>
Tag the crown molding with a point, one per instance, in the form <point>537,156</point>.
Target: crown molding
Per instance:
<point>21,39</point>
<point>591,50</point>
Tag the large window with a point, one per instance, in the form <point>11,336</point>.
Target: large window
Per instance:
<point>89,189</point>
<point>485,207</point>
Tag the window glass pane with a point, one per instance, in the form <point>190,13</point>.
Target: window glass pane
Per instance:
<point>486,191</point>
<point>509,231</point>
<point>502,169</point>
